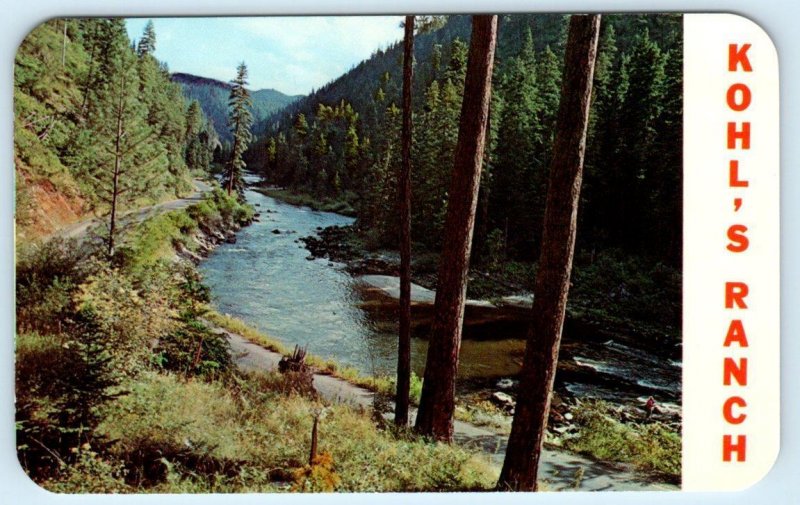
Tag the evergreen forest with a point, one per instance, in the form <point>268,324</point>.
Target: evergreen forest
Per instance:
<point>340,142</point>
<point>362,289</point>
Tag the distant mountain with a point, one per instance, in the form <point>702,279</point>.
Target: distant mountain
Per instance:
<point>213,98</point>
<point>358,85</point>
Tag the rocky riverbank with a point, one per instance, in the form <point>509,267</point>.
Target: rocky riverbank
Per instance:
<point>209,236</point>
<point>492,401</point>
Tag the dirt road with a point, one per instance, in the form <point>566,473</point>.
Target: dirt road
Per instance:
<point>81,228</point>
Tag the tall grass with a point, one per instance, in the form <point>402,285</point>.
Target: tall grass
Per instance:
<point>651,447</point>
<point>193,436</point>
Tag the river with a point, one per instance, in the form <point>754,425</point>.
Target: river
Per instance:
<point>267,280</point>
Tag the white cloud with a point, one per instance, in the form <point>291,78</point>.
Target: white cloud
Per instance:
<point>331,45</point>
<point>290,54</point>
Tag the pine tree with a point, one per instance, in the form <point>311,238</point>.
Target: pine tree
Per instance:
<point>240,120</point>
<point>198,146</point>
<point>643,72</point>
<point>404,201</point>
<point>118,152</point>
<point>147,44</point>
<point>521,463</point>
<point>437,405</point>
<point>602,139</point>
<point>514,165</point>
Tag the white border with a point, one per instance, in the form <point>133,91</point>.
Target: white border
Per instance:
<point>709,211</point>
<point>777,17</point>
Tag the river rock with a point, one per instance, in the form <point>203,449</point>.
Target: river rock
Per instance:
<point>184,252</point>
<point>506,384</point>
<point>503,400</point>
<point>276,231</point>
<point>216,236</point>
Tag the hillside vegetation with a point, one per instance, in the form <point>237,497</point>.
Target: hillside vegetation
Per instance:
<point>213,98</point>
<point>66,85</point>
<point>340,146</point>
<point>121,386</point>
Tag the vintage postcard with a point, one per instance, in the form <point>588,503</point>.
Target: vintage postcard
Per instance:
<point>421,253</point>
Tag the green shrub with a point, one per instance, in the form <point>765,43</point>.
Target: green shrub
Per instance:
<point>91,473</point>
<point>651,447</point>
<point>129,318</point>
<point>154,240</point>
<point>47,274</point>
<point>62,383</point>
<point>194,350</point>
<point>618,288</point>
<point>415,391</point>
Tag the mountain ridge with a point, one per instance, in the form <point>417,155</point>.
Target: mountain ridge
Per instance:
<point>212,94</point>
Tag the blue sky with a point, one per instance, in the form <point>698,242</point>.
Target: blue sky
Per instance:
<point>290,54</point>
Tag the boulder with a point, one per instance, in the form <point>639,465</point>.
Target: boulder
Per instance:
<point>503,400</point>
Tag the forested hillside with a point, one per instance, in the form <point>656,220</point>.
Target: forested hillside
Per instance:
<point>341,144</point>
<point>89,105</point>
<point>213,98</point>
<point>142,365</point>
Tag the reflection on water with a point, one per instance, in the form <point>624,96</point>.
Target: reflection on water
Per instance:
<point>266,280</point>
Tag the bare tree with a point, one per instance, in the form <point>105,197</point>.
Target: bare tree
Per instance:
<point>404,197</point>
<point>555,262</point>
<point>435,417</point>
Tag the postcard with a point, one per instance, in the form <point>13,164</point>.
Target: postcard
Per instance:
<point>420,253</point>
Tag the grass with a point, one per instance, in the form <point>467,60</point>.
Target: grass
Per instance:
<point>155,239</point>
<point>478,412</point>
<point>238,326</point>
<point>483,413</point>
<point>652,447</point>
<point>193,436</point>
<point>324,204</point>
<point>379,384</point>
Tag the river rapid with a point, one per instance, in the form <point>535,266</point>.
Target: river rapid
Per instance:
<point>267,279</point>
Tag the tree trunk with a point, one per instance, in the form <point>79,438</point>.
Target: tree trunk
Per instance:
<point>90,74</point>
<point>404,195</point>
<point>64,46</point>
<point>232,170</point>
<point>435,417</point>
<point>555,262</point>
<point>115,190</point>
<point>482,216</point>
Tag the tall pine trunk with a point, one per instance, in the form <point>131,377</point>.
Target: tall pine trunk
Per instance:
<point>115,189</point>
<point>555,262</point>
<point>232,169</point>
<point>404,195</point>
<point>435,417</point>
